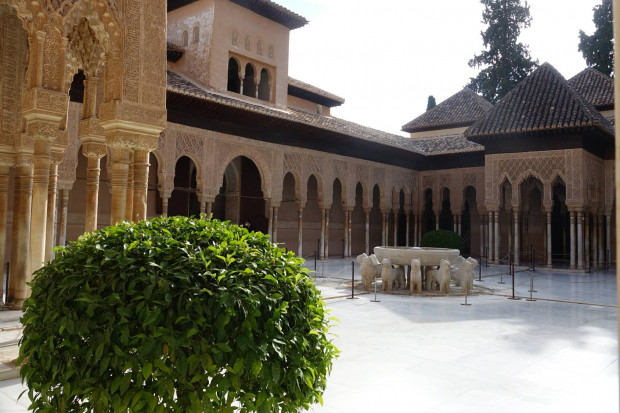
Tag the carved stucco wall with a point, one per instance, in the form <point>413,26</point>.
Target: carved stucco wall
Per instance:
<point>455,180</point>
<point>212,152</point>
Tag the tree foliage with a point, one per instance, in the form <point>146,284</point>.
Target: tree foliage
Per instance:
<point>431,102</point>
<point>442,239</point>
<point>598,49</point>
<point>505,62</point>
<point>174,315</point>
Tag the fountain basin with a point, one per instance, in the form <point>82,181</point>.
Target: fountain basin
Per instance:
<point>426,255</point>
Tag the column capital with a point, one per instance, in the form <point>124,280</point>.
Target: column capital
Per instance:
<point>94,150</point>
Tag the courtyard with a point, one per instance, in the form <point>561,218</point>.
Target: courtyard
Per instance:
<point>432,354</point>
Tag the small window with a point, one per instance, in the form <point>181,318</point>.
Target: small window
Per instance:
<point>235,38</point>
<point>234,83</point>
<point>271,51</point>
<point>196,35</point>
<point>247,43</point>
<point>259,47</point>
<point>185,39</point>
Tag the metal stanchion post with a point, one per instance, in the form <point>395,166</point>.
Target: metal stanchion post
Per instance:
<point>511,265</point>
<point>480,269</point>
<point>501,274</point>
<point>353,297</point>
<point>532,290</point>
<point>465,303</point>
<point>375,300</point>
<point>344,250</point>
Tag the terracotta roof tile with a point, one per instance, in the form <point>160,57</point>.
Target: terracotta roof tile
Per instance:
<point>447,145</point>
<point>544,101</point>
<point>596,87</point>
<point>312,93</point>
<point>275,12</point>
<point>460,109</point>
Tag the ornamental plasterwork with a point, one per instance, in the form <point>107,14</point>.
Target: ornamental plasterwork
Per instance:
<point>292,163</point>
<point>67,168</point>
<point>610,185</point>
<point>595,178</point>
<point>427,182</point>
<point>190,145</point>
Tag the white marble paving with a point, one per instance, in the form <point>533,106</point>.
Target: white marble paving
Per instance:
<point>431,354</point>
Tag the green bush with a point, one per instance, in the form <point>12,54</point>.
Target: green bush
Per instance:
<point>442,239</point>
<point>174,315</point>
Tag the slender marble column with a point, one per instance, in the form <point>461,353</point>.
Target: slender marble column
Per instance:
<point>407,230</point>
<point>275,224</point>
<point>51,209</point>
<point>601,243</point>
<point>395,226</point>
<point>580,240</point>
<point>383,228</point>
<point>458,227</point>
<point>481,238</point>
<point>62,216</point>
<point>322,242</point>
<point>327,233</point>
<point>455,223</point>
<point>40,188</point>
<point>496,222</point>
<point>586,246</point>
<point>367,235</point>
<point>164,206</point>
<point>120,170</point>
<point>270,224</point>
<point>20,248</point>
<point>573,244</point>
<point>437,221</point>
<point>93,152</point>
<point>300,237</point>
<point>549,245</point>
<point>516,235</point>
<point>608,236</point>
<point>5,172</point>
<point>209,208</point>
<point>490,237</point>
<point>346,234</point>
<point>130,186</point>
<point>416,242</point>
<point>594,239</point>
<point>141,183</point>
<point>350,233</point>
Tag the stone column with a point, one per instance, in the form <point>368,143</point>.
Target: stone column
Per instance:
<point>322,243</point>
<point>573,244</point>
<point>496,236</point>
<point>327,233</point>
<point>594,239</point>
<point>140,183</point>
<point>383,228</point>
<point>300,237</point>
<point>270,223</point>
<point>586,246</point>
<point>275,224</point>
<point>93,152</point>
<point>130,186</point>
<point>580,240</point>
<point>515,213</point>
<point>601,244</point>
<point>395,225</point>
<point>608,237</point>
<point>63,207</point>
<point>455,223</point>
<point>119,176</point>
<point>416,239</point>
<point>350,233</point>
<point>481,237</point>
<point>367,236</point>
<point>437,221</point>
<point>40,188</point>
<point>407,229</point>
<point>549,243</point>
<point>209,208</point>
<point>20,248</point>
<point>51,206</point>
<point>165,196</point>
<point>5,172</point>
<point>490,236</point>
<point>346,234</point>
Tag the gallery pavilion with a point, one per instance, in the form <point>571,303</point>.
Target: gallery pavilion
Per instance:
<point>127,109</point>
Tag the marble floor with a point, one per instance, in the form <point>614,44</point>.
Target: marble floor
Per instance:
<point>432,354</point>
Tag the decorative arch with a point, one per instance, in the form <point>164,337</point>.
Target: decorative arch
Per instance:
<point>264,85</point>
<point>234,81</point>
<point>249,80</point>
<point>262,166</point>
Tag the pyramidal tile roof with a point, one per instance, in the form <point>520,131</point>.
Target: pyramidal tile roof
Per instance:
<point>596,87</point>
<point>460,109</point>
<point>544,101</point>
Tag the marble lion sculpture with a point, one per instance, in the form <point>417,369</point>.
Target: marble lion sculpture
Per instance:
<point>416,276</point>
<point>391,276</point>
<point>369,268</point>
<point>463,274</point>
<point>442,276</point>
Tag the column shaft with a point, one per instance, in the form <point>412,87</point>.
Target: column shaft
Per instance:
<point>496,223</point>
<point>120,171</point>
<point>164,206</point>
<point>4,206</point>
<point>586,243</point>
<point>20,248</point>
<point>140,183</point>
<point>516,233</point>
<point>490,237</point>
<point>40,188</point>
<point>594,239</point>
<point>300,237</point>
<point>367,236</point>
<point>51,212</point>
<point>608,237</point>
<point>327,233</point>
<point>395,226</point>
<point>407,229</point>
<point>346,234</point>
<point>275,224</point>
<point>62,216</point>
<point>129,189</point>
<point>322,242</point>
<point>601,244</point>
<point>580,240</point>
<point>573,244</point>
<point>549,243</point>
<point>92,193</point>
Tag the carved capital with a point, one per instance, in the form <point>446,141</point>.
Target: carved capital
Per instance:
<point>91,130</point>
<point>145,119</point>
<point>94,150</point>
<point>44,103</point>
<point>56,156</point>
<point>43,130</point>
<point>131,140</point>
<point>7,159</point>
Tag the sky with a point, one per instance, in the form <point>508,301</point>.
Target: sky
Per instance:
<point>385,57</point>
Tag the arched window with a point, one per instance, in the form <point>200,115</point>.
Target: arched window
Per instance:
<point>196,35</point>
<point>249,83</point>
<point>248,43</point>
<point>259,47</point>
<point>235,38</point>
<point>271,51</point>
<point>185,39</point>
<point>234,83</point>
<point>264,92</point>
